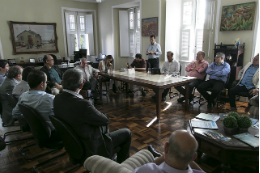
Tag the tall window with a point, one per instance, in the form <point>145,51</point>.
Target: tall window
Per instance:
<point>130,33</point>
<point>193,27</point>
<point>134,31</point>
<point>79,29</point>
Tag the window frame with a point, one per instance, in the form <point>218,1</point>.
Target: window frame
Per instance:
<point>63,10</point>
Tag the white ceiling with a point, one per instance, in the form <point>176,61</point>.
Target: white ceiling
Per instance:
<point>91,1</point>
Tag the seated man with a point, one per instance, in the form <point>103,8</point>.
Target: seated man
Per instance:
<point>38,99</point>
<point>54,75</point>
<point>139,64</point>
<point>23,85</point>
<point>87,122</point>
<point>4,67</point>
<point>104,66</point>
<point>13,78</point>
<point>248,82</point>
<point>90,76</point>
<point>194,69</point>
<point>169,67</point>
<point>218,72</point>
<point>180,153</point>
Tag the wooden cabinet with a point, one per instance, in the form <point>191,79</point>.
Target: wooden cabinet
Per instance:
<point>234,56</point>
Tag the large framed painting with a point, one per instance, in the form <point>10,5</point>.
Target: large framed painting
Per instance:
<point>237,17</point>
<point>32,37</point>
<point>150,26</point>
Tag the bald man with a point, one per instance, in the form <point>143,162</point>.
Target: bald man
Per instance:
<point>180,153</point>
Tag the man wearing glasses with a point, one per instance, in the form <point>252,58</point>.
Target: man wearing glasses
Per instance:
<point>218,72</point>
<point>54,75</point>
<point>196,69</point>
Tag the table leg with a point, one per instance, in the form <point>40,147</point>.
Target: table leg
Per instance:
<point>158,93</point>
<point>187,95</point>
<point>100,88</point>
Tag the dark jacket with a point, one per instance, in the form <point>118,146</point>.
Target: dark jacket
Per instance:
<point>46,71</point>
<point>87,122</point>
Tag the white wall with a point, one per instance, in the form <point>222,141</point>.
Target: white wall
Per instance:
<point>108,43</point>
<point>42,11</point>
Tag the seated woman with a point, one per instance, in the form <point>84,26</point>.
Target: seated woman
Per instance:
<point>104,66</point>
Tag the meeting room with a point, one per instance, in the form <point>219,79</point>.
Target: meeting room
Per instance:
<point>112,86</point>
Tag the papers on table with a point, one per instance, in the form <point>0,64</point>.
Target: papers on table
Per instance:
<point>208,117</point>
<point>203,124</point>
<point>254,121</point>
<point>248,139</point>
<point>256,125</point>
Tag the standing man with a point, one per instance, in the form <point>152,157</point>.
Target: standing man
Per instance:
<point>153,51</point>
<point>54,75</point>
<point>218,72</point>
<point>194,69</point>
<point>248,82</point>
<point>90,76</point>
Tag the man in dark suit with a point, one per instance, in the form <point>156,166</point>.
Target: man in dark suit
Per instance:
<point>54,75</point>
<point>88,123</point>
<point>13,78</point>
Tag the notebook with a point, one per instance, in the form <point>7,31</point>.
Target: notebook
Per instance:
<point>208,117</point>
<point>248,139</point>
<point>203,124</point>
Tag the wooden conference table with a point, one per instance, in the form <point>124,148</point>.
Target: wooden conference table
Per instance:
<point>154,81</point>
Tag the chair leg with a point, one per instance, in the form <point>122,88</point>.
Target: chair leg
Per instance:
<point>19,140</point>
<point>46,161</point>
<point>35,157</point>
<point>10,133</point>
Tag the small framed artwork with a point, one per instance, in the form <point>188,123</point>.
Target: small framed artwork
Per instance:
<point>40,59</point>
<point>237,17</point>
<point>150,26</point>
<point>32,37</point>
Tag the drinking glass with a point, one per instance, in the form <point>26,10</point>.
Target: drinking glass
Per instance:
<point>178,74</point>
<point>108,71</point>
<point>149,71</point>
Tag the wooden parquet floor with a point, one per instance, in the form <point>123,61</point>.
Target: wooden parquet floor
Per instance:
<point>124,111</point>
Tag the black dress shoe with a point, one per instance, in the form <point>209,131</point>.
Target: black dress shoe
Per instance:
<point>180,100</point>
<point>153,151</point>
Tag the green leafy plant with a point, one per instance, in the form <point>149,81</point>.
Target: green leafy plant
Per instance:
<point>230,122</point>
<point>244,122</point>
<point>234,114</point>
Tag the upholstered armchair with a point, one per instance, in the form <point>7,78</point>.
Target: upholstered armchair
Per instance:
<point>99,164</point>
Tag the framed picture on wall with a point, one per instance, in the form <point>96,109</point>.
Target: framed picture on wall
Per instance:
<point>32,37</point>
<point>150,26</point>
<point>237,17</point>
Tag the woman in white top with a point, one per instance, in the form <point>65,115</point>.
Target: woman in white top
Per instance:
<point>104,66</point>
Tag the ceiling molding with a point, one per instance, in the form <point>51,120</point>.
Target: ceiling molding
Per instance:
<point>90,1</point>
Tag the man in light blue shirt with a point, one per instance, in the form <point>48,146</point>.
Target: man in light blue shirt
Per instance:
<point>218,72</point>
<point>248,82</point>
<point>180,153</point>
<point>153,51</point>
<point>37,98</point>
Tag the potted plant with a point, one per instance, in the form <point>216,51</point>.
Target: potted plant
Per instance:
<point>244,123</point>
<point>230,125</point>
<point>234,114</point>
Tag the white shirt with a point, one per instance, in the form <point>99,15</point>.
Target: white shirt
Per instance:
<point>20,88</point>
<point>87,72</point>
<point>171,67</point>
<point>154,48</point>
<point>73,93</point>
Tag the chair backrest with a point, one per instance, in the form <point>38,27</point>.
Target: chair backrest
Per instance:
<point>12,101</point>
<point>156,71</point>
<point>40,132</point>
<point>72,143</point>
<point>148,65</point>
<point>180,69</point>
<point>95,65</point>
